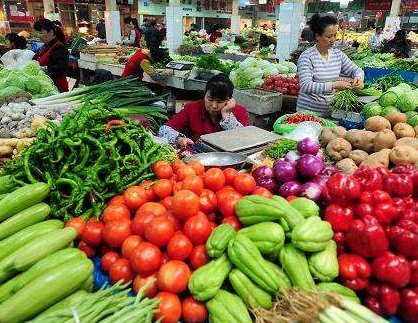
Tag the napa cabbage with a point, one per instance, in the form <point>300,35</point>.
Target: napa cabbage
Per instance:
<point>253,72</point>
<point>283,69</point>
<point>291,66</point>
<point>248,62</point>
<point>271,70</point>
<point>256,83</point>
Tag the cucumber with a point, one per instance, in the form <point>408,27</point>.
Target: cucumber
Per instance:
<point>21,238</point>
<point>13,285</point>
<point>6,184</point>
<point>23,219</point>
<point>74,299</point>
<point>22,198</point>
<point>45,291</point>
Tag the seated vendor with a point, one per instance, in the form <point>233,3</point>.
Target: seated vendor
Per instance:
<point>216,112</point>
<point>141,62</point>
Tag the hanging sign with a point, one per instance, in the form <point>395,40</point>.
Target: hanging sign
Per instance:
<point>374,5</point>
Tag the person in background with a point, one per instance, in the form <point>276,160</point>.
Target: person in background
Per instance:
<point>101,29</point>
<point>144,26</point>
<point>138,35</point>
<point>377,38</point>
<point>153,36</point>
<point>59,25</point>
<point>216,112</point>
<point>216,33</point>
<point>399,45</point>
<point>273,27</point>
<point>265,27</point>
<point>53,56</point>
<point>130,35</point>
<point>194,27</point>
<point>307,33</point>
<point>265,41</point>
<point>140,62</point>
<point>163,31</point>
<point>320,67</point>
<point>15,41</point>
<point>245,26</point>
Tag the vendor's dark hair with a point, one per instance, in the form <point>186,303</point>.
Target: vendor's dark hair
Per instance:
<point>127,20</point>
<point>319,24</point>
<point>158,54</point>
<point>58,23</point>
<point>400,34</point>
<point>18,41</point>
<point>134,22</point>
<point>48,25</point>
<point>220,87</point>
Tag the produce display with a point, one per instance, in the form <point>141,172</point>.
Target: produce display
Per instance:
<point>212,62</point>
<point>284,85</point>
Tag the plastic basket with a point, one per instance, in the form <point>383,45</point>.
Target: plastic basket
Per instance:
<point>258,101</point>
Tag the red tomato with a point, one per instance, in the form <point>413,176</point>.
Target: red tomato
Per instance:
<point>167,202</point>
<point>140,222</point>
<point>207,201</point>
<point>118,199</point>
<point>134,197</point>
<point>185,204</point>
<point>214,179</point>
<point>157,208</point>
<point>93,233</point>
<point>224,193</point>
<point>230,174</point>
<point>198,257</point>
<point>78,224</point>
<point>169,307</point>
<point>147,186</point>
<point>146,259</point>
<point>89,251</point>
<point>163,188</point>
<point>184,171</point>
<point>176,221</point>
<point>197,229</point>
<point>197,167</point>
<point>115,212</point>
<point>228,202</point>
<point>193,183</point>
<point>173,276</point>
<point>142,281</point>
<point>179,247</point>
<point>177,187</point>
<point>115,233</point>
<point>234,221</point>
<point>108,259</point>
<point>261,191</point>
<point>129,245</point>
<point>164,172</point>
<point>159,231</point>
<point>193,311</point>
<point>164,258</point>
<point>245,184</point>
<point>177,164</point>
<point>121,270</point>
<point>159,164</point>
<point>212,226</point>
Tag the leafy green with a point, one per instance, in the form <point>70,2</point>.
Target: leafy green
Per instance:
<point>407,101</point>
<point>280,148</point>
<point>371,109</point>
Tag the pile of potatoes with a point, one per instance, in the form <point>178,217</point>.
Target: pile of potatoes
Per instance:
<point>383,141</point>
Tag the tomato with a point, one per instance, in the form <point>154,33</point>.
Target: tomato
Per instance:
<point>164,258</point>
<point>177,164</point>
<point>117,199</point>
<point>157,208</point>
<point>213,226</point>
<point>244,183</point>
<point>224,193</point>
<point>140,222</point>
<point>140,281</point>
<point>207,201</point>
<point>129,245</point>
<point>228,202</point>
<point>115,232</point>
<point>184,171</point>
<point>198,257</point>
<point>173,276</point>
<point>179,247</point>
<point>159,231</point>
<point>116,212</point>
<point>78,224</point>
<point>146,258</point>
<point>108,259</point>
<point>214,179</point>
<point>121,270</point>
<point>261,191</point>
<point>93,233</point>
<point>197,167</point>
<point>134,197</point>
<point>193,311</point>
<point>169,307</point>
<point>177,187</point>
<point>163,188</point>
<point>230,174</point>
<point>185,204</point>
<point>158,164</point>
<point>167,202</point>
<point>89,251</point>
<point>164,172</point>
<point>234,221</point>
<point>197,229</point>
<point>176,221</point>
<point>193,183</point>
<point>147,186</point>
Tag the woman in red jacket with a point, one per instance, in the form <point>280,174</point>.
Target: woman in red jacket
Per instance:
<point>216,112</point>
<point>140,62</point>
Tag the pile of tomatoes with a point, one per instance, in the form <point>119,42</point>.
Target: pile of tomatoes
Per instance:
<point>284,85</point>
<point>158,230</point>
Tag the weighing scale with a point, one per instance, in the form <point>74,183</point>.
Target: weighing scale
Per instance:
<point>180,65</point>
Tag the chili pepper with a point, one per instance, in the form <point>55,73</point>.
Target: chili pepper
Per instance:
<point>370,179</point>
<point>343,187</point>
<point>367,238</point>
<point>403,238</point>
<point>399,185</point>
<point>339,216</point>
<point>355,271</point>
<point>387,297</point>
<point>393,269</point>
<point>339,238</point>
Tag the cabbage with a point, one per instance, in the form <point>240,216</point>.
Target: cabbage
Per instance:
<point>404,86</point>
<point>33,85</point>
<point>15,80</point>
<point>256,83</point>
<point>31,68</point>
<point>282,69</point>
<point>248,62</point>
<point>371,109</point>
<point>412,119</point>
<point>253,73</point>
<point>388,110</point>
<point>263,64</point>
<point>9,91</point>
<point>407,101</point>
<point>291,66</point>
<point>271,70</point>
<point>390,97</point>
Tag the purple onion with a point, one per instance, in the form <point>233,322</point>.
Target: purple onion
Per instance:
<point>263,171</point>
<point>268,183</point>
<point>321,180</point>
<point>320,156</point>
<point>308,146</point>
<point>284,171</point>
<point>328,170</point>
<point>292,157</point>
<point>309,166</point>
<point>289,189</point>
<point>311,191</point>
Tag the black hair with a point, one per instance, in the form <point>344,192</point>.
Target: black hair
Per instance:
<point>158,54</point>
<point>134,22</point>
<point>101,20</point>
<point>216,27</point>
<point>400,34</point>
<point>145,19</point>
<point>48,25</point>
<point>319,24</point>
<point>18,41</point>
<point>127,20</point>
<point>58,23</point>
<point>220,87</point>
<point>152,23</point>
<point>263,37</point>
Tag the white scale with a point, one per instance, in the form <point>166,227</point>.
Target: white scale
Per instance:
<point>180,65</point>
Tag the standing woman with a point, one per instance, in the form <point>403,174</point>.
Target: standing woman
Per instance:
<point>320,67</point>
<point>15,41</point>
<point>138,35</point>
<point>53,56</point>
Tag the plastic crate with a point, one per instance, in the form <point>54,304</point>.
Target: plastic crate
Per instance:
<point>259,102</point>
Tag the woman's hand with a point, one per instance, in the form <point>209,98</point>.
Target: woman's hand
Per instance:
<point>341,85</point>
<point>357,83</point>
<point>184,142</point>
<point>227,109</point>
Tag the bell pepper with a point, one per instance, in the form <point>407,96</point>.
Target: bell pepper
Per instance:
<point>363,209</point>
<point>343,187</point>
<point>339,238</point>
<point>367,238</point>
<point>404,238</point>
<point>392,269</point>
<point>385,213</point>
<point>399,185</point>
<point>403,168</point>
<point>408,310</point>
<point>414,273</point>
<point>378,204</point>
<point>370,179</point>
<point>339,216</point>
<point>383,298</point>
<point>354,270</point>
<point>409,292</point>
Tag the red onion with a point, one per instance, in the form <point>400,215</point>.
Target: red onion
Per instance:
<point>263,171</point>
<point>309,166</point>
<point>284,171</point>
<point>321,180</point>
<point>292,157</point>
<point>328,170</point>
<point>308,146</point>
<point>320,155</point>
<point>311,191</point>
<point>268,183</point>
<point>289,189</point>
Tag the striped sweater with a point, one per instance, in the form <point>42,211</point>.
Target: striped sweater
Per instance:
<point>316,76</point>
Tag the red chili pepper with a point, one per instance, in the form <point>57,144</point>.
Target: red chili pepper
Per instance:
<point>355,271</point>
<point>399,185</point>
<point>339,216</point>
<point>343,187</point>
<point>383,299</point>
<point>403,238</point>
<point>114,122</point>
<point>392,269</point>
<point>369,179</point>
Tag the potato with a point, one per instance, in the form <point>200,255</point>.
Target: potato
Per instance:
<point>328,134</point>
<point>346,166</point>
<point>379,159</point>
<point>376,123</point>
<point>396,117</point>
<point>407,141</point>
<point>338,149</point>
<point>403,154</point>
<point>416,131</point>
<point>361,139</point>
<point>402,130</point>
<point>358,156</point>
<point>384,139</point>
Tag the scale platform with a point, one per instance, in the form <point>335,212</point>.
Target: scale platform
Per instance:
<point>180,65</point>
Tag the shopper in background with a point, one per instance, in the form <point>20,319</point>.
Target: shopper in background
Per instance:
<point>163,31</point>
<point>138,35</point>
<point>320,68</point>
<point>152,36</point>
<point>307,33</point>
<point>59,25</point>
<point>216,112</point>
<point>101,29</point>
<point>53,55</point>
<point>15,41</point>
<point>130,33</point>
<point>216,33</point>
<point>194,27</point>
<point>265,41</point>
<point>143,28</point>
<point>399,45</point>
<point>377,38</point>
<point>140,62</point>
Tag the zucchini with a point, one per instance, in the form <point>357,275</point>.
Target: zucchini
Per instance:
<point>74,299</point>
<point>13,285</point>
<point>23,219</point>
<point>45,291</point>
<point>21,238</point>
<point>6,184</point>
<point>22,198</point>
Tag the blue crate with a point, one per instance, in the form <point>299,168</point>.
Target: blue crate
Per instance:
<point>372,73</point>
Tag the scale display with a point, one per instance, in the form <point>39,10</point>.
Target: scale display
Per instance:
<point>180,66</point>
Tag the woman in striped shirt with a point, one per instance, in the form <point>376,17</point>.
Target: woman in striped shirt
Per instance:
<point>320,68</point>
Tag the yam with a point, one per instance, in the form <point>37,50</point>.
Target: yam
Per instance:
<point>376,124</point>
<point>346,166</point>
<point>361,139</point>
<point>396,117</point>
<point>330,133</point>
<point>402,130</point>
<point>384,139</point>
<point>403,154</point>
<point>338,149</point>
<point>358,156</point>
<point>379,159</point>
<point>407,141</point>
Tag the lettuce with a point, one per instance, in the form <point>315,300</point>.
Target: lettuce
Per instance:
<point>9,91</point>
<point>263,64</point>
<point>390,97</point>
<point>256,83</point>
<point>31,68</point>
<point>253,73</point>
<point>404,86</point>
<point>407,101</point>
<point>388,110</point>
<point>248,62</point>
<point>271,70</point>
<point>282,69</point>
<point>291,66</point>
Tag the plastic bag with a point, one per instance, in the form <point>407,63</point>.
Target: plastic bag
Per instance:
<point>14,58</point>
<point>306,129</point>
<point>282,128</point>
